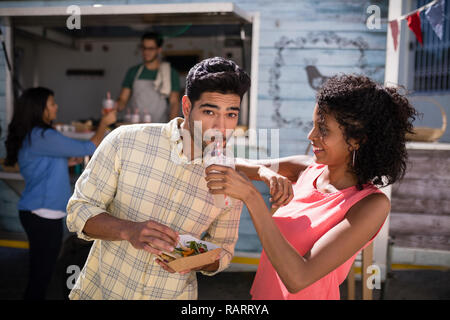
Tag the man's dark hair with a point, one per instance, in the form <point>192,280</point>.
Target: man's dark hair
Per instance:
<point>153,36</point>
<point>216,75</point>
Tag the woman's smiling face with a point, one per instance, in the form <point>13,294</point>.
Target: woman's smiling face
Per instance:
<point>328,141</point>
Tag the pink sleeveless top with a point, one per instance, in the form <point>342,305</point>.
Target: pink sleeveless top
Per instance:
<point>303,221</point>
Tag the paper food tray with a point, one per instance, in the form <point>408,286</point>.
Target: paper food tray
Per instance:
<point>198,260</point>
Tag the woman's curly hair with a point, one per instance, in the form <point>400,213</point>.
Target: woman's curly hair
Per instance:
<point>377,117</point>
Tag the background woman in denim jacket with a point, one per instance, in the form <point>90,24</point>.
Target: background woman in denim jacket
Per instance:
<point>43,155</point>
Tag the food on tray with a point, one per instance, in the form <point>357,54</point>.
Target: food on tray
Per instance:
<point>182,251</point>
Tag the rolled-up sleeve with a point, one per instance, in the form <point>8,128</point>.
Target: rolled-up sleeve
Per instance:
<point>224,232</point>
<point>96,187</point>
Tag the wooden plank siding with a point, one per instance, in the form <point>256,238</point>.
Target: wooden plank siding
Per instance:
<point>420,216</point>
<point>332,37</point>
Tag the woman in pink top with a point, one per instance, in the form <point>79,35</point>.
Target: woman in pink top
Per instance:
<point>358,140</point>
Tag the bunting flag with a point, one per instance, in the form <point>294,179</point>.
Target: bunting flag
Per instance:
<point>394,32</point>
<point>435,15</point>
<point>414,25</point>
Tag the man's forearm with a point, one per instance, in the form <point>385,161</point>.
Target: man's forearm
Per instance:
<point>174,102</point>
<point>121,104</point>
<point>173,110</point>
<point>106,227</point>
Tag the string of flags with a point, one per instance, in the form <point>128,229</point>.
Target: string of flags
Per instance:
<point>434,12</point>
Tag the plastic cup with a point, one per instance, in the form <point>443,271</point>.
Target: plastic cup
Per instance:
<point>220,200</point>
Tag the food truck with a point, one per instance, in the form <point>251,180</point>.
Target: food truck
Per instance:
<point>83,53</point>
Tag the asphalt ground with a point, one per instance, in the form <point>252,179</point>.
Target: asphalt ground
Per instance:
<point>403,285</point>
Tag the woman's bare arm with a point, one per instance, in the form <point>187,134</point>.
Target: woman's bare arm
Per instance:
<point>290,167</point>
<point>337,246</point>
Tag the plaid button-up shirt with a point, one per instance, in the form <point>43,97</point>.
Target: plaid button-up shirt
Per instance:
<point>139,173</point>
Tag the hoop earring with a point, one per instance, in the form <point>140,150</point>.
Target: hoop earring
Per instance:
<point>354,155</point>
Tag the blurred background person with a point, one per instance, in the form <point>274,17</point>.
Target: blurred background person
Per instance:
<point>43,155</point>
<point>153,86</point>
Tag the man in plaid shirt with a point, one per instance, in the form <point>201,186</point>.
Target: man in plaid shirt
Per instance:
<point>145,186</point>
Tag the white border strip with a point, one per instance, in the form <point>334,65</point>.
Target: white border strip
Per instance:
<point>254,71</point>
<point>185,8</point>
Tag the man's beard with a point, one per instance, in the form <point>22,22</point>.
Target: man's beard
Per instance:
<point>197,135</point>
<point>151,60</point>
<point>204,143</point>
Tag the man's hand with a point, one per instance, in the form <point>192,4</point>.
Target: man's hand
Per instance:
<point>124,96</point>
<point>280,187</point>
<point>151,236</point>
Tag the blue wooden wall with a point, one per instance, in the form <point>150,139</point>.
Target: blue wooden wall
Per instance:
<point>328,36</point>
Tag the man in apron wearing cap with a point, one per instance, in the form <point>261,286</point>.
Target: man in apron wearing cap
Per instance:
<point>151,87</point>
